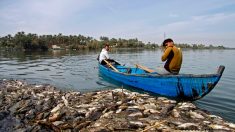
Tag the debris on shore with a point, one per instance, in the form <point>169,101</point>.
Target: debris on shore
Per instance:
<point>27,107</point>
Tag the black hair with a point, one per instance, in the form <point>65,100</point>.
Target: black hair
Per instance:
<point>106,45</point>
<point>166,41</point>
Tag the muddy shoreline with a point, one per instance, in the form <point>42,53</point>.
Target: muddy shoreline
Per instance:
<point>27,107</point>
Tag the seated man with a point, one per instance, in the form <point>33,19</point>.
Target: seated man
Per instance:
<point>173,57</point>
<point>104,55</point>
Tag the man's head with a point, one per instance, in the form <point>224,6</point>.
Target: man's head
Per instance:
<point>167,42</point>
<point>106,47</point>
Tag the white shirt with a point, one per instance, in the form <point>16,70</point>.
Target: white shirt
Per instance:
<point>103,55</point>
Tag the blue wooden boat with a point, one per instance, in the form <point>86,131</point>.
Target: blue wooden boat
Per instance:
<point>181,86</point>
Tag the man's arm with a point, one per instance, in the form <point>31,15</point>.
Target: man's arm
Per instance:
<point>106,54</point>
<point>166,53</point>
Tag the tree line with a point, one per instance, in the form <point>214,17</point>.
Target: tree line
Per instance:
<point>23,41</point>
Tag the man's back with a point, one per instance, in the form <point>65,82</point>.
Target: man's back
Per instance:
<point>173,55</point>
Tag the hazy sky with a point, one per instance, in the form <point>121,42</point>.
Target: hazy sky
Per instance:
<point>185,21</point>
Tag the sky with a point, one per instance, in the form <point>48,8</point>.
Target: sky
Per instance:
<point>185,21</point>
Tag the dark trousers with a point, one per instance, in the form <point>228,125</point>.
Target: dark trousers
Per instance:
<point>109,60</point>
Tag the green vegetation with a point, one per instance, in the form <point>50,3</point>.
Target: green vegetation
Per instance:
<point>22,41</point>
<point>199,46</point>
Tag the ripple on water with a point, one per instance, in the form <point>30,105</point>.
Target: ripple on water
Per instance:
<point>19,74</point>
<point>27,73</point>
<point>57,77</point>
<point>22,68</point>
<point>75,74</point>
<point>54,75</point>
<point>33,66</point>
<point>46,69</point>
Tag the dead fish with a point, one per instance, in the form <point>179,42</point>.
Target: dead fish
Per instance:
<point>83,106</point>
<point>148,111</point>
<point>144,95</point>
<point>97,124</point>
<point>188,126</point>
<point>195,115</point>
<point>151,99</point>
<point>39,116</point>
<point>206,122</point>
<point>168,108</point>
<point>34,95</point>
<point>55,117</point>
<point>140,101</point>
<point>119,102</point>
<point>57,123</point>
<point>59,106</point>
<point>175,113</point>
<point>118,111</point>
<point>135,107</point>
<point>169,101</point>
<point>107,114</point>
<point>150,106</point>
<point>214,116</point>
<point>218,127</point>
<point>162,98</point>
<point>122,91</point>
<point>47,92</point>
<point>19,83</point>
<point>232,125</point>
<point>123,107</point>
<point>137,114</point>
<point>65,101</point>
<point>136,124</point>
<point>38,86</point>
<point>186,105</point>
<point>40,95</point>
<point>154,111</point>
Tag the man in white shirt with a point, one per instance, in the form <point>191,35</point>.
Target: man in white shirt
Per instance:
<point>104,54</point>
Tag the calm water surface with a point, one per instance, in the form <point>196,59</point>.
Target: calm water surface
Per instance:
<point>79,71</point>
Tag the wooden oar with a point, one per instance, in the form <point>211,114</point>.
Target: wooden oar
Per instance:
<point>115,69</point>
<point>144,68</point>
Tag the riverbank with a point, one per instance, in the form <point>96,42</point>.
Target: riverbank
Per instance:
<point>27,107</point>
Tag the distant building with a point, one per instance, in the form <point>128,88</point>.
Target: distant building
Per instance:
<point>55,47</point>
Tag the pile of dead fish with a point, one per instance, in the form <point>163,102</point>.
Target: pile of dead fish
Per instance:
<point>27,107</point>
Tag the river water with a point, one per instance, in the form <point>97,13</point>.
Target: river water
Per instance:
<point>78,70</point>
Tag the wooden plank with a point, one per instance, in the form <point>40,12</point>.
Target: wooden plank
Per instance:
<point>144,68</point>
<point>109,64</point>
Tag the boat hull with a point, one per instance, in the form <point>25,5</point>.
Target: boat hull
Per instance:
<point>185,86</point>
